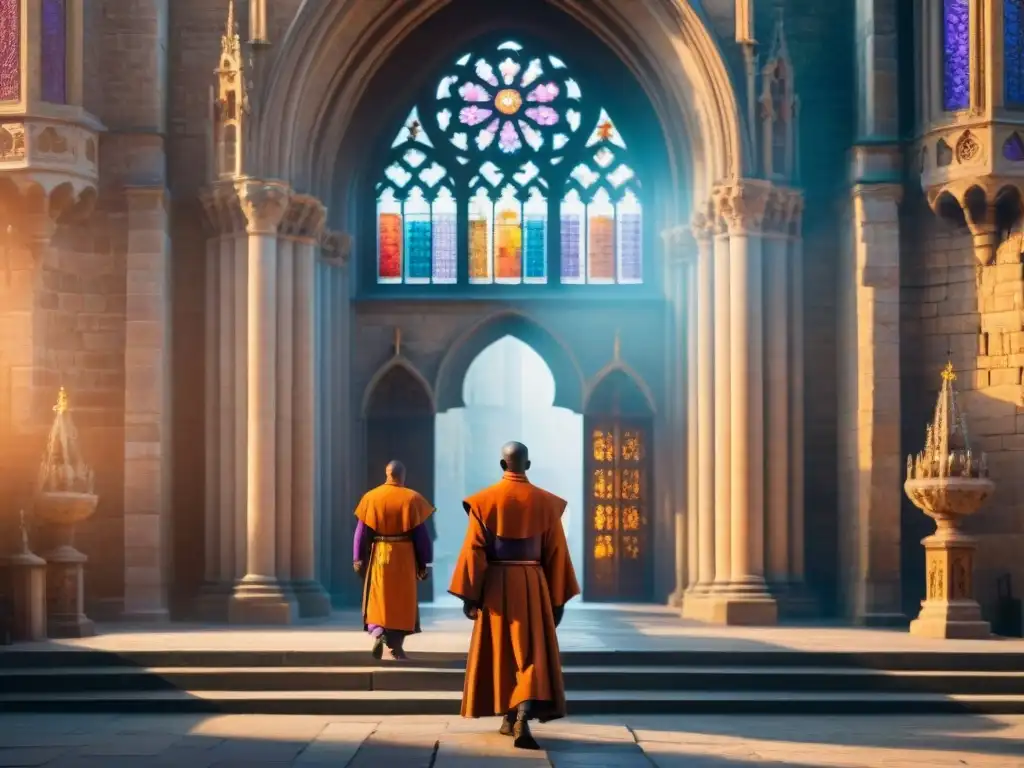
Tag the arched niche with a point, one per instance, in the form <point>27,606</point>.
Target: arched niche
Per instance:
<point>618,487</point>
<point>398,412</point>
<point>455,365</point>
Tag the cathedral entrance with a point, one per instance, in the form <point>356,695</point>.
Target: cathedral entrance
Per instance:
<point>509,394</point>
<point>400,425</point>
<point>618,426</point>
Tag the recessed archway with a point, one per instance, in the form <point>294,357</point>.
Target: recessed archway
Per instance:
<point>508,394</point>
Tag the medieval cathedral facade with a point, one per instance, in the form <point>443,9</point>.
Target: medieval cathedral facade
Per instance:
<point>260,244</point>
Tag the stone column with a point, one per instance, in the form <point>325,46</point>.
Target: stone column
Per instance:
<point>260,597</point>
<point>799,601</point>
<point>676,353</point>
<point>285,406</point>
<point>705,406</point>
<point>688,332</point>
<point>304,232</point>
<point>777,423</point>
<point>147,416</point>
<point>747,600</point>
<point>872,467</point>
<point>723,411</point>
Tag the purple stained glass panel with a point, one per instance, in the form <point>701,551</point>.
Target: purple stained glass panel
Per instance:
<point>1013,53</point>
<point>54,52</point>
<point>10,50</point>
<point>956,39</point>
<point>445,246</point>
<point>630,247</point>
<point>570,247</point>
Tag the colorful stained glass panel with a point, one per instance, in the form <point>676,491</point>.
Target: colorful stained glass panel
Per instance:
<point>445,239</point>
<point>10,50</point>
<point>630,224</point>
<point>535,236</point>
<point>480,213</point>
<point>508,237</point>
<point>1013,52</point>
<point>54,52</point>
<point>418,251</point>
<point>390,246</point>
<point>956,40</point>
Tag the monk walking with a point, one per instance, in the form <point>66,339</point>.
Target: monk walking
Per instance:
<point>514,577</point>
<point>391,550</point>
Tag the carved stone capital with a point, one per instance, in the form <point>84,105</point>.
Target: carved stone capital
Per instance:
<point>335,247</point>
<point>742,204</point>
<point>783,212</point>
<point>263,203</point>
<point>704,220</point>
<point>304,219</point>
<point>224,215</point>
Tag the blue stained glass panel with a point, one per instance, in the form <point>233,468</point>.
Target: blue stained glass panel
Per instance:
<point>570,246</point>
<point>417,249</point>
<point>445,245</point>
<point>631,237</point>
<point>534,251</point>
<point>54,52</point>
<point>956,39</point>
<point>1013,52</point>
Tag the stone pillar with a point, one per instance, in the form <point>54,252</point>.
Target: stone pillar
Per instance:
<point>872,467</point>
<point>688,331</point>
<point>747,600</point>
<point>304,229</point>
<point>147,414</point>
<point>260,597</point>
<point>777,422</point>
<point>705,407</point>
<point>723,418</point>
<point>676,353</point>
<point>799,601</point>
<point>285,407</point>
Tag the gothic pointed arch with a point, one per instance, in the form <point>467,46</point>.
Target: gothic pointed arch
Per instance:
<point>397,375</point>
<point>557,356</point>
<point>619,380</point>
<point>332,50</point>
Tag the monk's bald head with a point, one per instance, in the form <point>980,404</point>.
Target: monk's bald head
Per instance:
<point>395,472</point>
<point>515,457</point>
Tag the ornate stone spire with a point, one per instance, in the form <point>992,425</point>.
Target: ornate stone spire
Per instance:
<point>779,104</point>
<point>229,105</point>
<point>947,451</point>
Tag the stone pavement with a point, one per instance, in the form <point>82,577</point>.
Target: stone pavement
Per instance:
<point>259,741</point>
<point>585,628</point>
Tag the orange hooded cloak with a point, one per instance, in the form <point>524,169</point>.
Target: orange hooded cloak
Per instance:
<point>389,591</point>
<point>514,654</point>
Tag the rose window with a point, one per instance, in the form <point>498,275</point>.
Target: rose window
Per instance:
<point>500,185</point>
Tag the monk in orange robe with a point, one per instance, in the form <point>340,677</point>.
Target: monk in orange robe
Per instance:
<point>514,577</point>
<point>391,550</point>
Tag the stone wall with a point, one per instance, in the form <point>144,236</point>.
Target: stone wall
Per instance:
<point>943,291</point>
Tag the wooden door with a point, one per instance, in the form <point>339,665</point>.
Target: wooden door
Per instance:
<point>618,485</point>
<point>400,425</point>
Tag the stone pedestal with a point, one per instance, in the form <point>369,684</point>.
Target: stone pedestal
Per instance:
<point>262,600</point>
<point>65,595</point>
<point>28,597</point>
<point>950,610</point>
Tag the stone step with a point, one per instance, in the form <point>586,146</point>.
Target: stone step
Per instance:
<point>416,678</point>
<point>22,657</point>
<point>581,703</point>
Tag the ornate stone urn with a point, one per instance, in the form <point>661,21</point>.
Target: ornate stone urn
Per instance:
<point>948,482</point>
<point>64,497</point>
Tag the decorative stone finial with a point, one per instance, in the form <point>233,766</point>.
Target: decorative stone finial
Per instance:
<point>947,451</point>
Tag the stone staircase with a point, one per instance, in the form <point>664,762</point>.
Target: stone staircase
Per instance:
<point>598,682</point>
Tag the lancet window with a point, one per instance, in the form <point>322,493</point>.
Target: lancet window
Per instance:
<point>956,48</point>
<point>506,173</point>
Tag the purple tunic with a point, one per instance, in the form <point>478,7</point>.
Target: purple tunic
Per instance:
<point>362,541</point>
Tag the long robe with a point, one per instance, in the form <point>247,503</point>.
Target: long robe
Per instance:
<point>394,515</point>
<point>515,566</point>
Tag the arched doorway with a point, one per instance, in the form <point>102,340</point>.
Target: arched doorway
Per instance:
<point>399,415</point>
<point>618,429</point>
<point>508,394</point>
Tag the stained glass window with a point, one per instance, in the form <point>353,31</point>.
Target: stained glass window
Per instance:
<point>1013,53</point>
<point>502,149</point>
<point>10,50</point>
<point>54,51</point>
<point>956,38</point>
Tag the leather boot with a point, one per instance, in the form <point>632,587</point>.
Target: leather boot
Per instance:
<point>507,722</point>
<point>521,736</point>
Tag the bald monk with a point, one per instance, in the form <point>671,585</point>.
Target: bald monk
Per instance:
<point>391,550</point>
<point>514,577</point>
